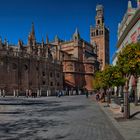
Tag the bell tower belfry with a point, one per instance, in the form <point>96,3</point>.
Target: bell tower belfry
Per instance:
<point>99,34</point>
<point>99,15</point>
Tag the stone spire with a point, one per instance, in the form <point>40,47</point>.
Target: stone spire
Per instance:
<point>20,43</point>
<point>5,42</point>
<point>77,32</point>
<point>76,35</point>
<point>33,30</point>
<point>56,39</point>
<point>42,42</point>
<point>31,37</point>
<point>47,39</point>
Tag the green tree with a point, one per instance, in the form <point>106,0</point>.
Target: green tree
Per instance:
<point>116,77</point>
<point>108,78</point>
<point>98,81</point>
<point>129,64</point>
<point>113,77</point>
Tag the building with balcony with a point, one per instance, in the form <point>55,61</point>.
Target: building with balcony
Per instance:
<point>128,29</point>
<point>129,32</point>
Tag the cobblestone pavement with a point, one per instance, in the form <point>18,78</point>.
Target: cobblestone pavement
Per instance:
<point>129,128</point>
<point>52,118</point>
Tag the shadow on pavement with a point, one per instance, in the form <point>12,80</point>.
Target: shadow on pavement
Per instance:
<point>134,114</point>
<point>26,128</point>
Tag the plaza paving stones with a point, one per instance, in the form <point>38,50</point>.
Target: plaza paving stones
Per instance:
<point>52,118</point>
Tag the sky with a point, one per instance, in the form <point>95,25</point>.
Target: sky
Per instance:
<point>58,17</point>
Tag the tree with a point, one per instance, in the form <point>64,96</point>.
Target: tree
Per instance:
<point>98,81</point>
<point>113,77</point>
<point>129,64</point>
<point>109,77</point>
<point>117,77</point>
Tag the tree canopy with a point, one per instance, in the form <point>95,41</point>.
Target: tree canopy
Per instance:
<point>109,77</point>
<point>129,59</point>
<point>128,64</point>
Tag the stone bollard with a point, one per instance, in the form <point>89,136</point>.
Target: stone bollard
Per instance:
<point>38,93</point>
<point>14,93</point>
<point>0,93</point>
<point>3,93</point>
<point>17,93</point>
<point>26,93</point>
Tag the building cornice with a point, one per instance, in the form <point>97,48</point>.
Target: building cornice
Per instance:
<point>133,21</point>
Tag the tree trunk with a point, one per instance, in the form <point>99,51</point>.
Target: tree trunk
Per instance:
<point>108,97</point>
<point>104,95</point>
<point>126,102</point>
<point>136,98</point>
<point>135,88</point>
<point>117,94</point>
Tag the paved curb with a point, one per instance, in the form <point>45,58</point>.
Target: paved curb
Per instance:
<point>114,122</point>
<point>108,113</point>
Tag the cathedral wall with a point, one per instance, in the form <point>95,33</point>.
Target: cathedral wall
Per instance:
<point>19,73</point>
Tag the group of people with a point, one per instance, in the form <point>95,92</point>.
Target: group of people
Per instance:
<point>100,96</point>
<point>59,93</point>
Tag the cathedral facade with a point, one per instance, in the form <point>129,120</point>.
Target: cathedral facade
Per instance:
<point>50,66</point>
<point>27,69</point>
<point>79,60</point>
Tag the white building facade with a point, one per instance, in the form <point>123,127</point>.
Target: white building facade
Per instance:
<point>129,32</point>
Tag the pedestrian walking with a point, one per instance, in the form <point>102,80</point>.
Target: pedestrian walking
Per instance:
<point>59,94</point>
<point>97,96</point>
<point>86,92</point>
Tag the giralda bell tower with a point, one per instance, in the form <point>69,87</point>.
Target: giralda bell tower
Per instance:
<point>99,35</point>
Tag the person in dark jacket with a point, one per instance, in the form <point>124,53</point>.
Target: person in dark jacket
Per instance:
<point>86,92</point>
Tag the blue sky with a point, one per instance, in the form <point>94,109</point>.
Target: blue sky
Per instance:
<point>59,17</point>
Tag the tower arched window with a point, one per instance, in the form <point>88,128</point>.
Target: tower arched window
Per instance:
<point>102,32</point>
<point>97,32</point>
